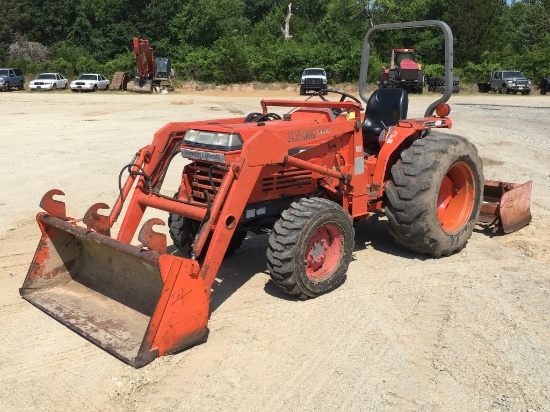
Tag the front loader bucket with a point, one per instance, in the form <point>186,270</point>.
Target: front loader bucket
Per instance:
<point>506,204</point>
<point>143,86</point>
<point>135,303</point>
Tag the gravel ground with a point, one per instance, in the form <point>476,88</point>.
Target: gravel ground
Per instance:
<point>469,332</point>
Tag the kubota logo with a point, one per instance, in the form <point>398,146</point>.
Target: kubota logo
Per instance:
<point>308,134</point>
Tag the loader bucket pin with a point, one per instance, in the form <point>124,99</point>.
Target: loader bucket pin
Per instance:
<point>97,222</point>
<point>153,240</point>
<point>52,206</point>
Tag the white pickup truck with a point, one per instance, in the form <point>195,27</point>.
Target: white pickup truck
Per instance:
<point>313,78</point>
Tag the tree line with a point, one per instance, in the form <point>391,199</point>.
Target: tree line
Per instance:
<point>233,41</point>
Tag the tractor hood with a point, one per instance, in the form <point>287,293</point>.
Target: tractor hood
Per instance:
<point>408,64</point>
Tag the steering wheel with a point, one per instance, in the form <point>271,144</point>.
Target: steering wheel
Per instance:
<point>257,117</point>
<point>344,96</point>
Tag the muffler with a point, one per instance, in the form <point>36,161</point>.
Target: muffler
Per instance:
<point>133,302</point>
<point>506,205</point>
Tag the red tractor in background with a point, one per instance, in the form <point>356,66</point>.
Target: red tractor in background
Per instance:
<point>303,176</point>
<point>404,72</point>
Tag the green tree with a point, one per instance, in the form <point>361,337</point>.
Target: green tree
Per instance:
<point>474,24</point>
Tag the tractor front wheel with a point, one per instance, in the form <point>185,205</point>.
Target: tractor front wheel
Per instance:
<point>183,231</point>
<point>310,248</point>
<point>435,195</point>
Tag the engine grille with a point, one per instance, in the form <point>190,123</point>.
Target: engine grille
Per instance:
<point>288,179</point>
<point>283,182</point>
<point>200,181</point>
<point>314,81</point>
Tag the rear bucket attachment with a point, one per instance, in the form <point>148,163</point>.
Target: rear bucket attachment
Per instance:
<point>135,303</point>
<point>506,205</point>
<point>143,86</point>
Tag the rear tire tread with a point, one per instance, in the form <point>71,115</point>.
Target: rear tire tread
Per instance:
<point>410,194</point>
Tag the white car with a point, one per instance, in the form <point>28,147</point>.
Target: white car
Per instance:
<point>49,81</point>
<point>90,82</point>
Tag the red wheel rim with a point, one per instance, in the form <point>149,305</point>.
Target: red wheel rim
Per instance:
<point>456,197</point>
<point>323,252</point>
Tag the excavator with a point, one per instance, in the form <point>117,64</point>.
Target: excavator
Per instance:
<point>302,171</point>
<point>153,74</point>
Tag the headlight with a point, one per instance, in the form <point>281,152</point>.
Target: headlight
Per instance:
<point>213,140</point>
<point>510,82</point>
<point>324,81</point>
<point>302,81</point>
<point>529,82</point>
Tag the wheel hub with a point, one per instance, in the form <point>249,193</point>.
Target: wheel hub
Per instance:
<point>456,197</point>
<point>323,252</point>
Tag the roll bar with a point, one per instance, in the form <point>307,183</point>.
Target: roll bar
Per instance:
<point>409,25</point>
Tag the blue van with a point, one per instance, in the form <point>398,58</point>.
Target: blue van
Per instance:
<point>10,78</point>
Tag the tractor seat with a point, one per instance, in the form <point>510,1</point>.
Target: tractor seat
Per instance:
<point>386,106</point>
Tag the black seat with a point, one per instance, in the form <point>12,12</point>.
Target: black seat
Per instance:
<point>385,108</point>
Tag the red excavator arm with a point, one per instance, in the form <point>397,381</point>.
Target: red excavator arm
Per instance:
<point>144,58</point>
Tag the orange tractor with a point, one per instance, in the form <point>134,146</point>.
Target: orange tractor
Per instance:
<point>304,176</point>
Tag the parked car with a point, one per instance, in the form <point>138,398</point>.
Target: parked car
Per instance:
<point>10,78</point>
<point>545,84</point>
<point>49,81</point>
<point>510,81</point>
<point>90,82</point>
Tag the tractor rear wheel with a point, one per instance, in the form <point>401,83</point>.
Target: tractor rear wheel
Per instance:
<point>310,248</point>
<point>435,195</point>
<point>391,78</point>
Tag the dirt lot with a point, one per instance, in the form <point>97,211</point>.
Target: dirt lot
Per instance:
<point>470,332</point>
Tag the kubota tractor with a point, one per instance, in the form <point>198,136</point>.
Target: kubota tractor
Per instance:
<point>304,176</point>
<point>403,72</point>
